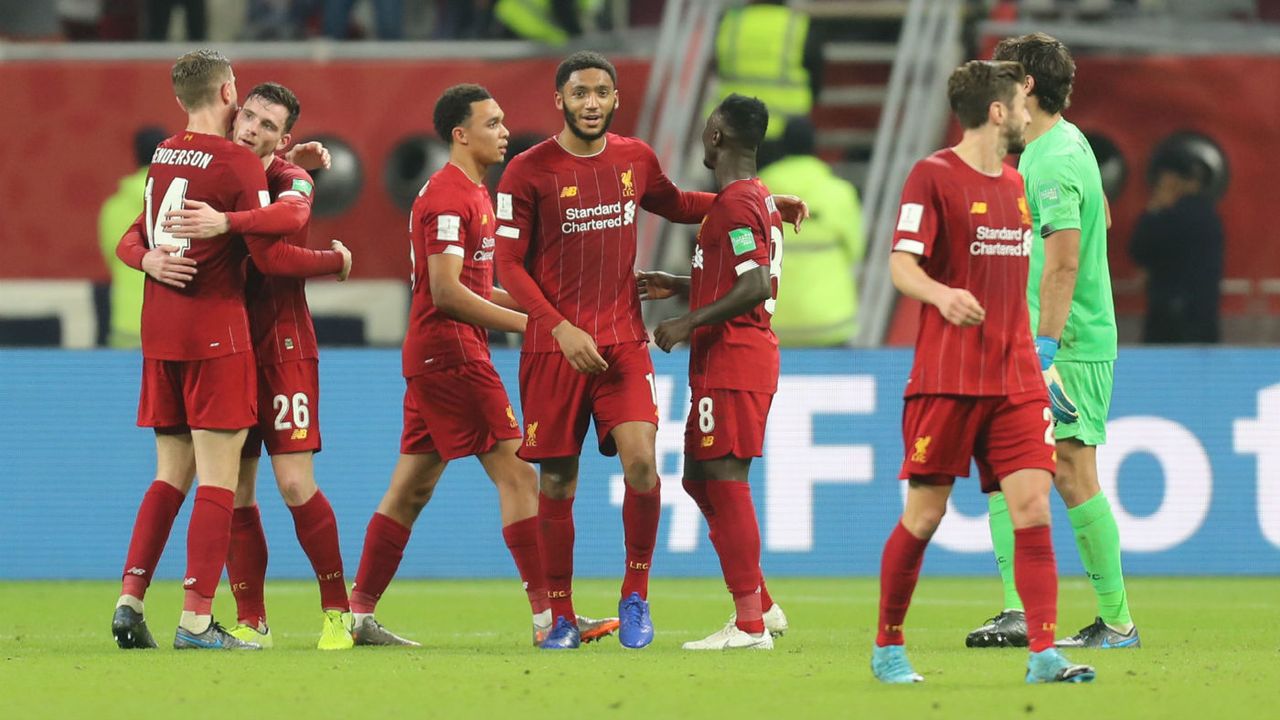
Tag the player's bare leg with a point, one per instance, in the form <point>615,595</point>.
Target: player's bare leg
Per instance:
<point>900,571</point>
<point>1036,573</point>
<point>316,527</point>
<point>737,542</point>
<point>218,468</point>
<point>1098,540</point>
<point>413,481</point>
<point>557,483</point>
<point>641,510</point>
<point>175,472</point>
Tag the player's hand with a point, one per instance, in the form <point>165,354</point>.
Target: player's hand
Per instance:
<point>309,155</point>
<point>959,307</point>
<point>579,349</point>
<point>346,258</point>
<point>654,285</point>
<point>196,220</point>
<point>1064,408</point>
<point>672,332</point>
<point>792,209</point>
<point>164,265</point>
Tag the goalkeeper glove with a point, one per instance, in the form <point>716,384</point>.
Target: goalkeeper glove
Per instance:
<point>1064,409</point>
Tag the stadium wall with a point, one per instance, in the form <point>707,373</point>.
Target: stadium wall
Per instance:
<point>1192,468</point>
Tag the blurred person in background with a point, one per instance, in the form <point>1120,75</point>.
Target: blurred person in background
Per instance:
<point>766,50</point>
<point>819,305</point>
<point>117,214</point>
<point>553,22</point>
<point>1179,243</point>
<point>195,18</point>
<point>388,19</point>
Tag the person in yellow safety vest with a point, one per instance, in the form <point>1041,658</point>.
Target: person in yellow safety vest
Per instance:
<point>548,21</point>
<point>765,50</point>
<point>817,297</point>
<point>117,214</point>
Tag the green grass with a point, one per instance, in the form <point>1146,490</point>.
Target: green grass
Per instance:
<point>1212,647</point>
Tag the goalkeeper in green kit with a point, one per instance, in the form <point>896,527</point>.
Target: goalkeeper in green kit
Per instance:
<point>1074,323</point>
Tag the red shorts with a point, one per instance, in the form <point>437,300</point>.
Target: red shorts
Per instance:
<point>288,409</point>
<point>558,400</point>
<point>457,411</point>
<point>214,394</point>
<point>941,433</point>
<point>726,422</point>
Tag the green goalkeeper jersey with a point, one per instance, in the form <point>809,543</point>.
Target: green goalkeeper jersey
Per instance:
<point>1064,190</point>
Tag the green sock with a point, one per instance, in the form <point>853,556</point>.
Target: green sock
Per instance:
<point>1002,542</point>
<point>1098,540</point>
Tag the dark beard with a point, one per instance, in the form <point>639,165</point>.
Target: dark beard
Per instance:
<point>1015,145</point>
<point>587,137</point>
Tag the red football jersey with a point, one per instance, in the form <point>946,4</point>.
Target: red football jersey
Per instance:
<point>743,231</point>
<point>207,318</point>
<point>568,229</point>
<point>279,318</point>
<point>973,231</point>
<point>452,215</point>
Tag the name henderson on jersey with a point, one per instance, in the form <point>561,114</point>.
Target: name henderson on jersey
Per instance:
<point>170,156</point>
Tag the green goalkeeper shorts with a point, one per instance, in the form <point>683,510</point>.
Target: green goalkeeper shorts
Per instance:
<point>1089,385</point>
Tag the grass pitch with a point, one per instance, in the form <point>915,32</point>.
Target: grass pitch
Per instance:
<point>1211,649</point>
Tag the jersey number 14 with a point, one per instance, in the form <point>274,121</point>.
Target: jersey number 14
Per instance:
<point>173,199</point>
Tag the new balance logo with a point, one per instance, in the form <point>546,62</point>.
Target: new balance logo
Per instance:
<point>568,192</point>
<point>136,571</point>
<point>188,582</point>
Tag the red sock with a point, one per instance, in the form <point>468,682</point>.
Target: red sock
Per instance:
<point>1035,573</point>
<point>766,600</point>
<point>899,571</point>
<point>247,564</point>
<point>698,491</point>
<point>521,537</point>
<point>207,538</point>
<point>738,545</point>
<point>384,541</point>
<point>640,514</point>
<point>555,545</point>
<point>317,531</point>
<point>151,528</point>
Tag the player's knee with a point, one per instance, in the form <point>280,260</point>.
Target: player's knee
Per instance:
<point>1029,511</point>
<point>296,490</point>
<point>923,522</point>
<point>640,473</point>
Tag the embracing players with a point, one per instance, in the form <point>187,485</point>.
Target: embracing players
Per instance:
<point>733,361</point>
<point>284,342</point>
<point>1074,319</point>
<point>961,247</point>
<point>567,248</point>
<point>199,389</point>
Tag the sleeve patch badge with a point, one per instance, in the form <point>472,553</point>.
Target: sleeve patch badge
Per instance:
<point>447,228</point>
<point>302,186</point>
<point>909,217</point>
<point>504,206</point>
<point>743,241</point>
